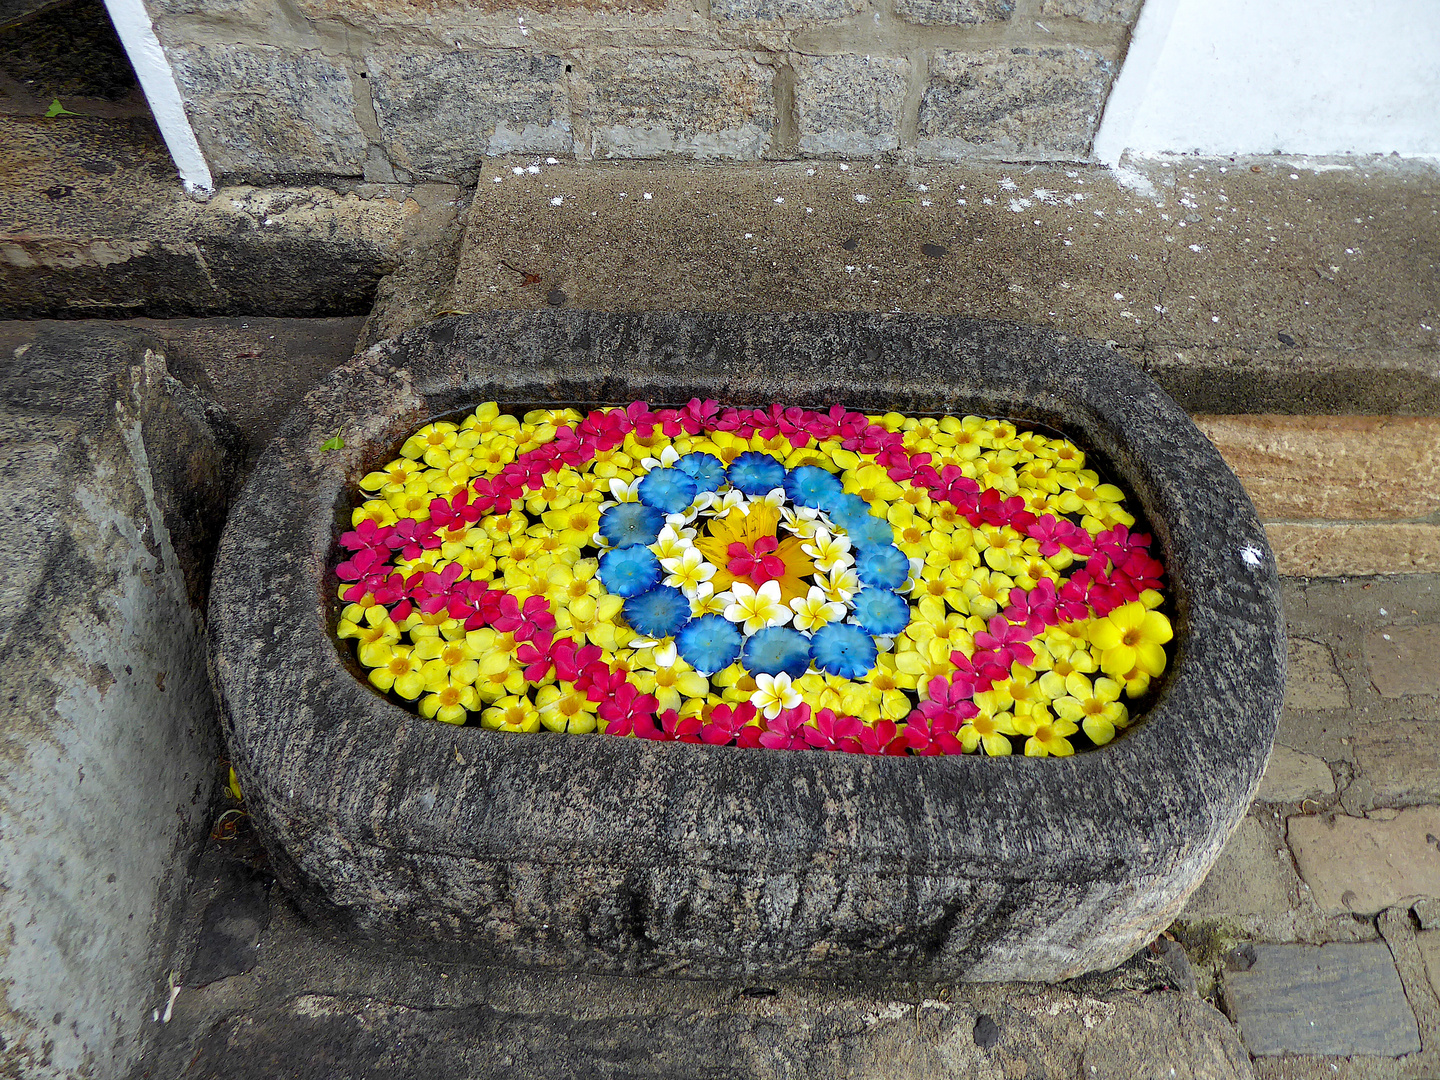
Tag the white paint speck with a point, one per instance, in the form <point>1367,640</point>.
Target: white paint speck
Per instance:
<point>557,200</point>
<point>497,179</point>
<point>647,195</point>
<point>1119,296</point>
<point>779,198</point>
<point>862,198</point>
<point>532,169</point>
<point>1006,184</point>
<point>844,168</point>
<point>749,236</point>
<point>1196,248</point>
<point>1251,556</point>
<point>518,171</point>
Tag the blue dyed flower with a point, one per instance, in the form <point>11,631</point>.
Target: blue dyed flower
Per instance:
<point>884,567</point>
<point>870,533</point>
<point>848,510</point>
<point>755,473</point>
<point>659,612</point>
<point>811,486</point>
<point>881,611</point>
<point>706,470</point>
<point>709,643</point>
<point>844,650</point>
<point>669,490</point>
<point>776,649</point>
<point>629,571</point>
<point>631,523</point>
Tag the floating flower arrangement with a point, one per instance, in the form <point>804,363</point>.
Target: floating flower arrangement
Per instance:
<point>777,577</point>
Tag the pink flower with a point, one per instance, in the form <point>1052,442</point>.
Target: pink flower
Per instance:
<point>726,723</point>
<point>524,622</point>
<point>786,730</point>
<point>931,737</point>
<point>827,731</point>
<point>537,662</point>
<point>673,728</point>
<point>881,737</point>
<point>437,590</point>
<point>697,415</point>
<point>950,699</point>
<point>367,535</point>
<point>627,709</point>
<point>1007,641</point>
<point>573,659</point>
<point>1036,608</point>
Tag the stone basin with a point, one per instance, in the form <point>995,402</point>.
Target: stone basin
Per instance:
<point>630,857</point>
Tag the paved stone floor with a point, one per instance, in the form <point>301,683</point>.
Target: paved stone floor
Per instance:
<point>1312,950</point>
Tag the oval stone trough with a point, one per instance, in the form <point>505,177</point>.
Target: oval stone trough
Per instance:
<point>630,857</point>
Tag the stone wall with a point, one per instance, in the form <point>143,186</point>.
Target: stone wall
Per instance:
<point>425,89</point>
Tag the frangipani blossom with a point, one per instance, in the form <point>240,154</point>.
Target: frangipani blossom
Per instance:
<point>755,609</point>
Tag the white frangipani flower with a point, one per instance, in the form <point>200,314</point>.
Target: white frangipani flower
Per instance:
<point>839,584</point>
<point>672,543</point>
<point>621,492</point>
<point>689,571</point>
<point>706,601</point>
<point>830,551</point>
<point>773,693</point>
<point>757,608</point>
<point>815,609</point>
<point>668,456</point>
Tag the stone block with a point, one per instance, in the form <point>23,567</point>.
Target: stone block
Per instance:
<point>685,860</point>
<point>261,110</point>
<point>1247,880</point>
<point>1364,865</point>
<point>440,113</point>
<point>1359,550</point>
<point>1400,759</point>
<point>114,480</point>
<point>1404,660</point>
<point>786,13</point>
<point>849,105</point>
<point>1292,776</point>
<point>1339,999</point>
<point>1313,681</point>
<point>651,105</point>
<point>1332,467</point>
<point>1095,11</point>
<point>1428,912</point>
<point>1022,101</point>
<point>954,12</point>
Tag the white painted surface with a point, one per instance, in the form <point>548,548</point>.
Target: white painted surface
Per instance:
<point>137,34</point>
<point>1318,77</point>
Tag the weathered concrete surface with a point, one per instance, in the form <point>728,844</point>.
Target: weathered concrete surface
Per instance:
<point>114,486</point>
<point>1368,864</point>
<point>1240,291</point>
<point>93,222</point>
<point>758,864</point>
<point>316,1006</point>
<point>255,368</point>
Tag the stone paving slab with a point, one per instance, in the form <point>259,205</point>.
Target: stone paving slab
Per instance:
<point>1338,999</point>
<point>1292,776</point>
<point>1404,661</point>
<point>1365,865</point>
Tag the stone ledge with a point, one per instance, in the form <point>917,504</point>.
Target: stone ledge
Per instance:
<point>1319,549</point>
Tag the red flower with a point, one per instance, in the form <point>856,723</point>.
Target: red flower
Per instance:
<point>932,736</point>
<point>1006,639</point>
<point>827,731</point>
<point>882,737</point>
<point>674,728</point>
<point>726,723</point>
<point>625,709</point>
<point>785,731</point>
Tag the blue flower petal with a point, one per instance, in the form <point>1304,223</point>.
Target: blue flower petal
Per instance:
<point>811,486</point>
<point>706,470</point>
<point>669,490</point>
<point>884,567</point>
<point>709,643</point>
<point>847,510</point>
<point>658,613</point>
<point>776,649</point>
<point>870,533</point>
<point>881,611</point>
<point>755,473</point>
<point>629,571</point>
<point>844,650</point>
<point>631,523</point>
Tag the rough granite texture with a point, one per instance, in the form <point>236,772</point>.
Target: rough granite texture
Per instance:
<point>609,855</point>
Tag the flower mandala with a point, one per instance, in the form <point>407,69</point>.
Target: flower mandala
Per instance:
<point>775,578</point>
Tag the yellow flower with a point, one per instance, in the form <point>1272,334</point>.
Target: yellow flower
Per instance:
<point>396,669</point>
<point>669,678</point>
<point>512,713</point>
<point>1048,739</point>
<point>985,592</point>
<point>872,483</point>
<point>828,550</point>
<point>391,479</point>
<point>450,703</point>
<point>576,524</point>
<point>594,618</point>
<point>1131,637</point>
<point>378,628</point>
<point>988,730</point>
<point>440,433</point>
<point>563,708</point>
<point>448,661</point>
<point>1095,706</point>
<point>687,571</point>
